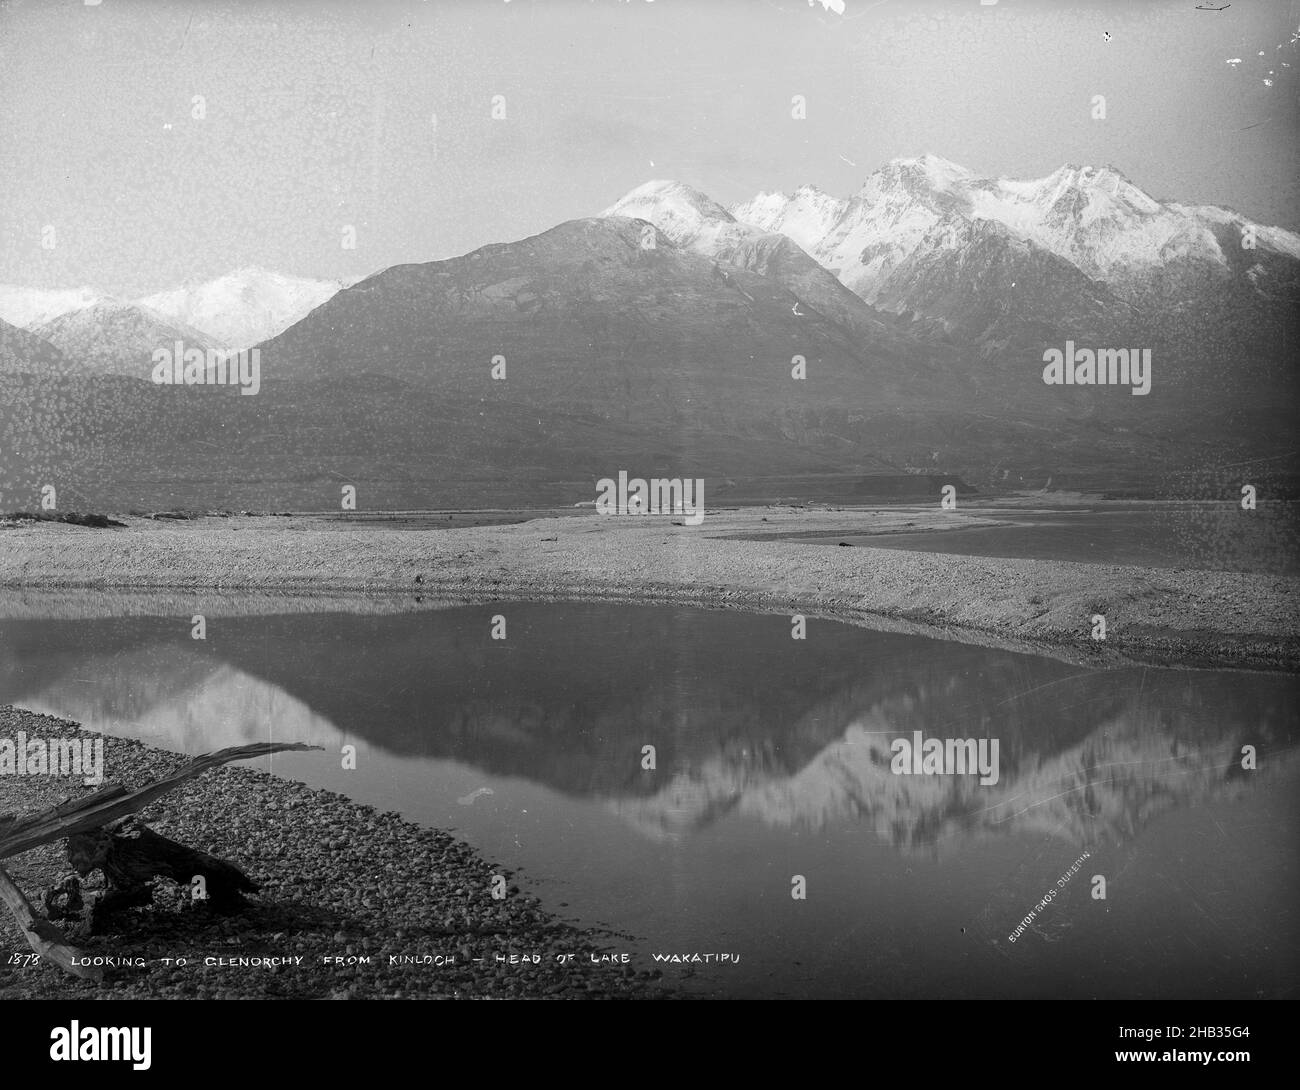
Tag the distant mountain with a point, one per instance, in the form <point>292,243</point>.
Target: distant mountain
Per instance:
<point>243,307</point>
<point>28,307</point>
<point>117,338</point>
<point>661,338</point>
<point>986,275</point>
<point>597,316</point>
<point>1002,270</point>
<point>695,222</point>
<point>863,238</point>
<point>1094,218</point>
<point>982,285</point>
<point>692,219</point>
<point>999,300</point>
<point>233,311</point>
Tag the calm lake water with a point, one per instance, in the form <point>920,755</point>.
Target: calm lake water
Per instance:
<point>773,760</point>
<point>1203,536</point>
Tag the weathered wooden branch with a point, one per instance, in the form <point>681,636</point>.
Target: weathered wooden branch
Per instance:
<point>111,802</point>
<point>79,817</point>
<point>42,936</point>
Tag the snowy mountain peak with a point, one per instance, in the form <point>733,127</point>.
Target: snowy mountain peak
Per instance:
<point>806,216</point>
<point>676,196</point>
<point>693,221</point>
<point>1094,217</point>
<point>688,217</point>
<point>115,337</point>
<point>236,310</point>
<point>928,169</point>
<point>243,307</point>
<point>28,307</point>
<point>1100,185</point>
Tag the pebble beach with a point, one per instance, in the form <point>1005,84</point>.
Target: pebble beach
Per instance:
<point>354,903</point>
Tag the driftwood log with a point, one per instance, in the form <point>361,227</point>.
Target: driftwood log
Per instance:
<point>131,854</point>
<point>95,824</point>
<point>42,936</point>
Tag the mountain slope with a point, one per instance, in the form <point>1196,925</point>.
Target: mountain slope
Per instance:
<point>695,222</point>
<point>117,338</point>
<point>654,360</point>
<point>244,307</point>
<point>970,271</point>
<point>1002,270</point>
<point>120,443</point>
<point>862,239</point>
<point>588,318</point>
<point>21,351</point>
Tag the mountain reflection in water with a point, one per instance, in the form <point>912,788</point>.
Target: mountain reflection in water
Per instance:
<point>752,730</point>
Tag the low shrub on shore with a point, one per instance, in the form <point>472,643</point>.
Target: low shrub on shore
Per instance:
<point>97,522</point>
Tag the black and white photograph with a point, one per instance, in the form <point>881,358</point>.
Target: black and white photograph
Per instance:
<point>650,499</point>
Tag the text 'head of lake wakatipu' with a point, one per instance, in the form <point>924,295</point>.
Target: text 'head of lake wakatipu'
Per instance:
<point>917,756</point>
<point>657,496</point>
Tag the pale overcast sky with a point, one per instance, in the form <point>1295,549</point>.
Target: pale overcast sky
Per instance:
<point>326,113</point>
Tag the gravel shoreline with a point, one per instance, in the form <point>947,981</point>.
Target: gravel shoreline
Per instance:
<point>1163,616</point>
<point>338,880</point>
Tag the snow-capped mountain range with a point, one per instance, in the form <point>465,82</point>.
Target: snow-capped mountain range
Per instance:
<point>922,308</point>
<point>234,311</point>
<point>910,215</point>
<point>1095,218</point>
<point>994,269</point>
<point>695,222</point>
